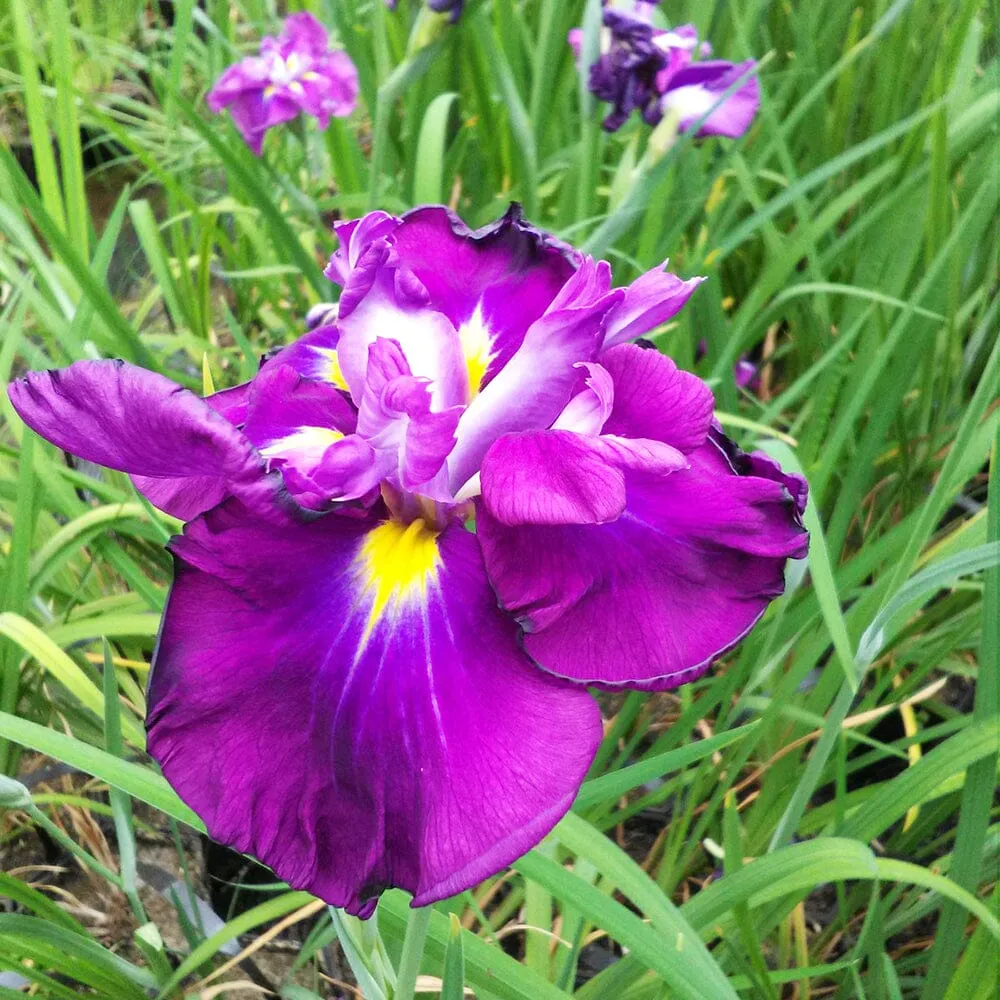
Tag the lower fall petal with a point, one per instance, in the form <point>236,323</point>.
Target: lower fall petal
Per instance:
<point>343,699</point>
<point>651,599</point>
<point>695,90</point>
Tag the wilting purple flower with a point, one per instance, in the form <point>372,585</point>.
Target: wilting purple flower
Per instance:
<point>650,69</point>
<point>294,72</point>
<point>349,684</point>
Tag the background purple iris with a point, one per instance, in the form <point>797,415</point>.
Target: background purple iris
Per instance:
<point>649,69</point>
<point>293,73</point>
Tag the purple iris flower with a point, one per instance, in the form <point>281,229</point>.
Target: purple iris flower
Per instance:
<point>348,683</point>
<point>650,69</point>
<point>294,72</point>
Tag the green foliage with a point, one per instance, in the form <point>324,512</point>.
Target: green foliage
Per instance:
<point>850,242</point>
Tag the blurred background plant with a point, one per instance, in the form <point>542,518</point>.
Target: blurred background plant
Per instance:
<point>815,818</point>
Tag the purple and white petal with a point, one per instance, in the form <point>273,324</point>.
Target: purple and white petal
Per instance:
<point>314,356</point>
<point>492,283</point>
<point>305,428</point>
<point>281,399</point>
<point>329,87</point>
<point>396,417</point>
<point>183,455</point>
<point>250,74</point>
<point>649,301</point>
<point>303,34</point>
<point>695,90</point>
<point>355,236</point>
<point>589,409</point>
<point>427,337</point>
<point>397,735</point>
<point>532,389</point>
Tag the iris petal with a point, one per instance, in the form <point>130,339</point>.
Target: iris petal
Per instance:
<point>535,385</point>
<point>501,277</point>
<point>428,340</point>
<point>653,398</point>
<point>696,89</point>
<point>651,599</point>
<point>391,730</point>
<point>560,477</point>
<point>184,456</point>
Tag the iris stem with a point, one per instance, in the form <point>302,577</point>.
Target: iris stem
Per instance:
<point>72,846</point>
<point>413,951</point>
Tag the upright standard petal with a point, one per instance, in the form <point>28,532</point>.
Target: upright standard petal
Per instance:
<point>392,731</point>
<point>532,389</point>
<point>649,301</point>
<point>492,283</point>
<point>649,600</point>
<point>302,33</point>
<point>184,456</point>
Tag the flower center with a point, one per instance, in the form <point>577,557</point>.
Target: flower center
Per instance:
<point>394,566</point>
<point>284,71</point>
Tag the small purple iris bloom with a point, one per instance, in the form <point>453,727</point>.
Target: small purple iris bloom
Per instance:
<point>348,683</point>
<point>650,69</point>
<point>294,72</point>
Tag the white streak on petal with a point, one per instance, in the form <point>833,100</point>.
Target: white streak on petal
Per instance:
<point>690,102</point>
<point>476,339</point>
<point>303,447</point>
